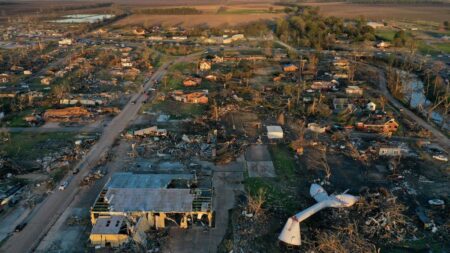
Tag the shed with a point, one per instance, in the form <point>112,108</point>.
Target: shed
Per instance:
<point>275,132</point>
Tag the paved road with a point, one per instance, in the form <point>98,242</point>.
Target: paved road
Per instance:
<point>441,138</point>
<point>47,213</point>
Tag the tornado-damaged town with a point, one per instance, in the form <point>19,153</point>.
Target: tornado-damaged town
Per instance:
<point>224,126</point>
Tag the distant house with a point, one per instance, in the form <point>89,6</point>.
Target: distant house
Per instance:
<point>290,68</point>
<point>217,59</point>
<point>179,38</point>
<point>341,103</point>
<point>192,81</point>
<point>371,106</point>
<point>27,72</point>
<point>46,80</point>
<point>278,78</point>
<point>204,66</point>
<point>316,128</point>
<point>126,62</point>
<point>16,68</point>
<point>354,90</point>
<point>322,85</point>
<point>389,151</point>
<point>149,131</point>
<point>155,38</point>
<point>65,42</point>
<point>275,132</point>
<point>211,77</point>
<point>139,31</point>
<point>375,25</point>
<point>238,37</point>
<point>227,41</point>
<point>341,64</point>
<point>4,78</point>
<point>197,97</point>
<point>383,45</point>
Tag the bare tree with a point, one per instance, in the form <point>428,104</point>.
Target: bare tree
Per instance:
<point>256,201</point>
<point>319,161</point>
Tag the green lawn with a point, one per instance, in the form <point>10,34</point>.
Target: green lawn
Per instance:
<point>179,110</point>
<point>426,48</point>
<point>386,35</point>
<point>184,67</point>
<point>281,189</point>
<point>444,47</point>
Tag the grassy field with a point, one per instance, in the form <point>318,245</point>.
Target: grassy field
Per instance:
<point>212,20</point>
<point>30,146</point>
<point>386,35</point>
<point>179,110</point>
<point>431,12</point>
<point>444,47</point>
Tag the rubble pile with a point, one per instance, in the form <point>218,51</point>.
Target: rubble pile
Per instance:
<point>183,147</point>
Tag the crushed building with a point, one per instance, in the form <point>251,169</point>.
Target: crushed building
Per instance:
<point>66,114</point>
<point>140,201</point>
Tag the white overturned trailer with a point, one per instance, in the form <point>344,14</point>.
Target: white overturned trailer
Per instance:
<point>291,231</point>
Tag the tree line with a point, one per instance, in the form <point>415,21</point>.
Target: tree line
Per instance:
<point>304,27</point>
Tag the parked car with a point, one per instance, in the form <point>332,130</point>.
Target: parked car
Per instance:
<point>20,227</point>
<point>63,186</point>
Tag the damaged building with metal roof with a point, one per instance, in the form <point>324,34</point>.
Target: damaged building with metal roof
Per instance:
<point>131,203</point>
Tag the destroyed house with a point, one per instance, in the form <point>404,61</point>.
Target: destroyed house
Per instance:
<point>322,85</point>
<point>204,65</point>
<point>192,81</point>
<point>290,68</point>
<point>341,103</point>
<point>389,126</point>
<point>149,131</point>
<point>389,151</point>
<point>159,199</point>
<point>354,90</point>
<point>4,78</point>
<point>111,231</point>
<point>66,113</point>
<point>197,97</point>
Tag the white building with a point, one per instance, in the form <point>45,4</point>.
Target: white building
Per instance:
<point>65,42</point>
<point>371,106</point>
<point>275,132</point>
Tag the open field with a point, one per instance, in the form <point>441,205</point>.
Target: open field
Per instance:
<point>234,15</point>
<point>193,20</point>
<point>436,13</point>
